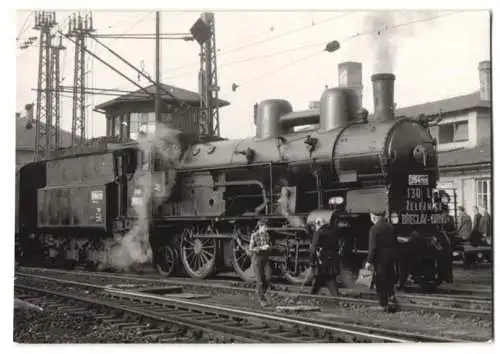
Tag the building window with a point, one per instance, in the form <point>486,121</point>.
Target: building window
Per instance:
<point>483,193</point>
<point>145,122</point>
<point>453,132</point>
<point>117,126</point>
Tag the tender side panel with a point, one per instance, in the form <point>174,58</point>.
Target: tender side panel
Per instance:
<point>78,170</point>
<point>73,206</point>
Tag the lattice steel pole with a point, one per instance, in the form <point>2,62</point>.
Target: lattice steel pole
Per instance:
<point>79,28</point>
<point>209,89</point>
<point>56,84</point>
<point>44,21</point>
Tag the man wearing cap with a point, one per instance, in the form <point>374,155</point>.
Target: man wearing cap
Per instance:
<point>382,256</point>
<point>260,244</point>
<point>444,246</point>
<point>324,257</point>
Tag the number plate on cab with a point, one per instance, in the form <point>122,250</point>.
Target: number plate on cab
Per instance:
<point>418,180</point>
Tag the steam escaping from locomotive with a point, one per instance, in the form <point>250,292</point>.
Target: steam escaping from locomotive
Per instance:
<point>134,248</point>
<point>385,50</point>
<point>285,208</point>
<point>387,28</point>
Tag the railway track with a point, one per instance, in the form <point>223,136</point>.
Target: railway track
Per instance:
<point>476,307</point>
<point>482,292</point>
<point>134,309</point>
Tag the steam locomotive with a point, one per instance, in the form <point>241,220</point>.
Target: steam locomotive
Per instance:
<point>218,190</point>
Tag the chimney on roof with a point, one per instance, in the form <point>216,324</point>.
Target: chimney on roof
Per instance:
<point>485,80</point>
<point>351,76</point>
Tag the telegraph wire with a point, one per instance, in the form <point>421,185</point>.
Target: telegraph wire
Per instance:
<point>119,22</point>
<point>24,27</point>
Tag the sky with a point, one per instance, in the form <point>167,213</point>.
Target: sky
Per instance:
<point>434,55</point>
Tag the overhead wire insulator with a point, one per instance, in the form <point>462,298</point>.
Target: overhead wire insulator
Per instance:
<point>332,46</point>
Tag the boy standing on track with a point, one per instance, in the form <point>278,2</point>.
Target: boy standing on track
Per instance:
<point>260,244</point>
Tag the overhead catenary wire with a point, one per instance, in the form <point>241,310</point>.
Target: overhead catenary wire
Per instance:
<point>237,42</point>
<point>282,67</point>
<point>358,34</point>
<point>264,40</point>
<point>269,55</point>
<point>132,26</point>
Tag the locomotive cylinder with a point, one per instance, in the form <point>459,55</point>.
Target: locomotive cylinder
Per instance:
<point>337,107</point>
<point>383,97</point>
<point>268,118</point>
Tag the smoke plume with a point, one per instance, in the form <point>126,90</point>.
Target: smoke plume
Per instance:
<point>387,29</point>
<point>134,248</point>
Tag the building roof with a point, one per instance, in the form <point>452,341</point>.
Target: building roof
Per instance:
<point>480,154</point>
<point>141,96</point>
<point>447,105</point>
<point>25,138</point>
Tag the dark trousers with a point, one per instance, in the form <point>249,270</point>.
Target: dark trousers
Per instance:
<point>405,267</point>
<point>262,270</point>
<point>384,280</point>
<point>322,280</point>
<point>326,275</point>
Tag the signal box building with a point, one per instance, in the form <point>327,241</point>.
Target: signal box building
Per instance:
<point>127,114</point>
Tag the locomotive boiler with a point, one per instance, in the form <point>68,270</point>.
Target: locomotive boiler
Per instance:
<point>218,190</point>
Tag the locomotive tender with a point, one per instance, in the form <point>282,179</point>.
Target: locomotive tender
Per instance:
<point>71,207</point>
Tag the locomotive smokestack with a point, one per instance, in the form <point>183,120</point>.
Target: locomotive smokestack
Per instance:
<point>383,96</point>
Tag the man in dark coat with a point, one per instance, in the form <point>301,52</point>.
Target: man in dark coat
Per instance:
<point>382,256</point>
<point>324,257</point>
<point>485,225</point>
<point>477,218</point>
<point>475,237</point>
<point>464,224</point>
<point>444,246</point>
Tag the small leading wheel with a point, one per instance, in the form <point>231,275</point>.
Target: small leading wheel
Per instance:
<point>166,261</point>
<point>302,276</point>
<point>198,254</point>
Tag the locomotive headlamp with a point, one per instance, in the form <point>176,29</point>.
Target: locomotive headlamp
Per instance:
<point>336,200</point>
<point>394,218</point>
<point>479,255</point>
<point>445,199</point>
<point>342,223</point>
